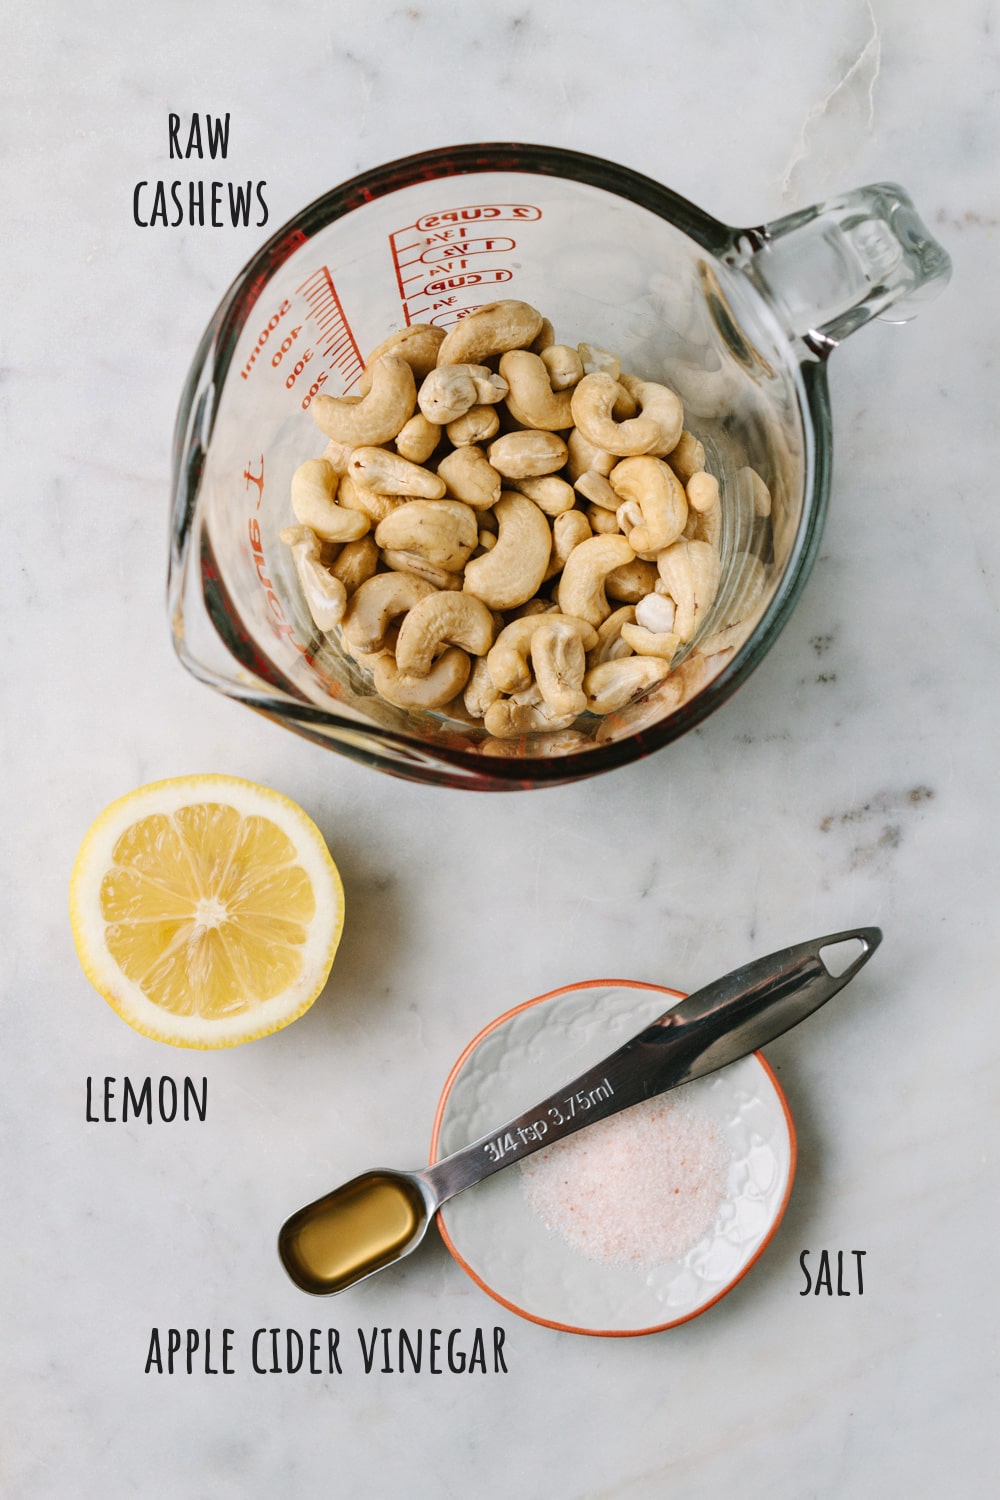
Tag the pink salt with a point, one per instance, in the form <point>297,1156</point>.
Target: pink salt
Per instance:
<point>638,1189</point>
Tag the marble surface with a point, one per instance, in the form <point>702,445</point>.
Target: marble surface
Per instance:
<point>852,780</point>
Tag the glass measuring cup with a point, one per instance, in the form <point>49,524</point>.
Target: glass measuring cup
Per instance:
<point>739,322</point>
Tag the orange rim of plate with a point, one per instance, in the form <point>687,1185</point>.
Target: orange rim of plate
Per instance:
<point>608,1333</point>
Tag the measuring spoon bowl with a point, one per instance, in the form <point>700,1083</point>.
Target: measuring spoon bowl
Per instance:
<point>358,1229</point>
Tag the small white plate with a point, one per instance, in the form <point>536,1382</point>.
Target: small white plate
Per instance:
<point>504,1246</point>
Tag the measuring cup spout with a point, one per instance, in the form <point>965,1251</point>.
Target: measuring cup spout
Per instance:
<point>830,268</point>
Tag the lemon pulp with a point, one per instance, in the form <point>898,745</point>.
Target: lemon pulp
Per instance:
<point>206,910</point>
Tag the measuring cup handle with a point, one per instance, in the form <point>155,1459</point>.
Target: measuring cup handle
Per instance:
<point>830,268</point>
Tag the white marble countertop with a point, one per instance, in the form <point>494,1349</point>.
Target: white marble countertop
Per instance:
<point>852,780</point>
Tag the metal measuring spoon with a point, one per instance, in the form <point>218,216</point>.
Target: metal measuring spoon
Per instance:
<point>377,1218</point>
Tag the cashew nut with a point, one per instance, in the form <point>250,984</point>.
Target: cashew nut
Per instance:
<point>564,366</point>
<point>656,704</point>
<point>480,690</point>
<point>585,456</point>
<point>390,474</point>
<point>539,605</point>
<point>750,577</point>
<point>722,642</point>
<point>370,503</point>
<point>355,563</point>
<point>507,659</point>
<point>581,590</point>
<point>745,607</point>
<point>532,401</point>
<point>631,582</point>
<point>442,532</point>
<point>659,643</point>
<point>523,455</point>
<point>470,477</point>
<point>368,659</point>
<point>492,329</point>
<point>610,645</point>
<point>559,660</point>
<point>654,486</point>
<point>689,572</point>
<point>703,491</point>
<point>338,455</point>
<point>314,485</point>
<point>510,573</point>
<point>655,430</point>
<point>549,745</point>
<point>505,718</point>
<point>401,561</point>
<point>438,620</point>
<point>702,525</point>
<point>594,359</point>
<point>456,710</point>
<point>662,405</point>
<point>478,425</point>
<point>325,595</point>
<point>753,491</point>
<point>544,338</point>
<point>656,612</point>
<point>444,681</point>
<point>604,522</point>
<point>688,458</point>
<point>376,604</point>
<point>596,488</point>
<point>418,345</point>
<point>625,403</point>
<point>612,684</point>
<point>549,492</point>
<point>568,531</point>
<point>417,438</point>
<point>449,391</point>
<point>379,415</point>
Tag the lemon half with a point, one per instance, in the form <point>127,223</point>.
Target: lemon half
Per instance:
<point>206,910</point>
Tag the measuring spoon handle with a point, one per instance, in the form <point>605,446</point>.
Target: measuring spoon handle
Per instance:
<point>717,1025</point>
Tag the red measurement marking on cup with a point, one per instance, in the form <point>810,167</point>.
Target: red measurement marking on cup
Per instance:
<point>274,612</point>
<point>336,343</point>
<point>249,478</point>
<point>438,270</point>
<point>270,328</point>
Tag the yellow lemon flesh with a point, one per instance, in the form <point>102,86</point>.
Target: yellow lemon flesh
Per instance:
<point>206,910</point>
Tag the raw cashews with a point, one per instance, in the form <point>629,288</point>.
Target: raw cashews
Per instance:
<point>532,552</point>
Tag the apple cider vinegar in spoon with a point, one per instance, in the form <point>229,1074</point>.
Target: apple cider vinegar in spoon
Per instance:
<point>353,1231</point>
